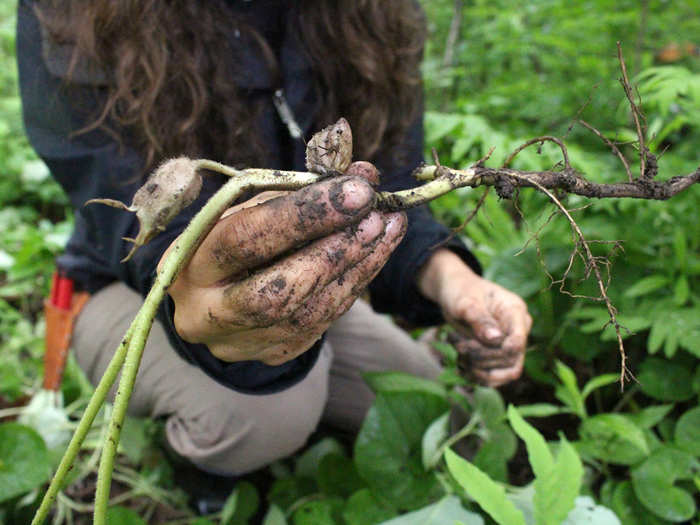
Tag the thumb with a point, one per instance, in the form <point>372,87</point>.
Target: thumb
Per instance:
<point>484,325</point>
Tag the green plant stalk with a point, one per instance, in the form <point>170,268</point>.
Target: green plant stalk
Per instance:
<point>176,259</point>
<point>130,350</point>
<point>93,407</point>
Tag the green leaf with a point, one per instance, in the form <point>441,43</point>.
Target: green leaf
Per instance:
<point>286,491</point>
<point>134,440</point>
<point>337,476</point>
<point>24,460</point>
<point>681,290</point>
<point>363,508</point>
<point>614,438</point>
<point>680,249</point>
<point>556,490</point>
<point>541,410</point>
<point>437,432</point>
<point>647,285</point>
<point>568,392</point>
<point>629,509</point>
<point>487,493</point>
<point>274,516</point>
<point>586,512</point>
<point>402,382</point>
<point>538,451</point>
<point>665,380</point>
<point>437,125</point>
<point>307,464</point>
<point>123,516</point>
<point>653,483</point>
<point>241,504</point>
<point>687,434</point>
<point>657,335</point>
<point>321,512</point>
<point>498,447</point>
<point>388,447</point>
<point>489,404</point>
<point>650,416</point>
<point>598,382</point>
<point>446,511</point>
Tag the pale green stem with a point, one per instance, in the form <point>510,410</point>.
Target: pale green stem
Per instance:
<point>130,355</point>
<point>93,407</point>
<point>177,258</point>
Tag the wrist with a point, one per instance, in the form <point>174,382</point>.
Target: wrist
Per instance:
<point>443,270</point>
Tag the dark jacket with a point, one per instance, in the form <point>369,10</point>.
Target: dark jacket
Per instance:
<point>94,164</point>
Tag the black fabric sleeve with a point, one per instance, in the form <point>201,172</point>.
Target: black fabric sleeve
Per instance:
<point>395,290</point>
<point>94,164</point>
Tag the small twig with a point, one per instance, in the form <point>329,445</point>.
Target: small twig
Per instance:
<point>612,146</point>
<point>540,140</point>
<point>612,312</point>
<point>636,112</point>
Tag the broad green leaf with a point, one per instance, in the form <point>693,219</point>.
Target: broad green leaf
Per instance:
<point>647,285</point>
<point>586,512</point>
<point>650,416</point>
<point>487,493</point>
<point>307,464</point>
<point>556,490</point>
<point>498,447</point>
<point>241,504</point>
<point>568,392</point>
<point>629,509</point>
<point>489,403</point>
<point>320,512</point>
<point>363,508</point>
<point>437,125</point>
<point>134,439</point>
<point>614,438</point>
<point>447,511</point>
<point>24,460</point>
<point>284,492</point>
<point>665,380</point>
<point>598,382</point>
<point>388,447</point>
<point>123,516</point>
<point>541,410</point>
<point>538,451</point>
<point>653,483</point>
<point>274,516</point>
<point>337,476</point>
<point>402,382</point>
<point>687,434</point>
<point>436,433</point>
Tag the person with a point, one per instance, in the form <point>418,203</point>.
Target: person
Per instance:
<point>263,335</point>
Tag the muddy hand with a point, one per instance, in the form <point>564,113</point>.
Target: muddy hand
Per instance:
<point>492,323</point>
<point>271,276</point>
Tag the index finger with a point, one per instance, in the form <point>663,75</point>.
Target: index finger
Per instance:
<point>259,234</point>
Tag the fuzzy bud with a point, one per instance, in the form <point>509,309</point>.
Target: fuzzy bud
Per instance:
<point>330,150</point>
<point>173,186</point>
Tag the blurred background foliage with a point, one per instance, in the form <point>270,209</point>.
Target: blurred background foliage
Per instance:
<point>497,73</point>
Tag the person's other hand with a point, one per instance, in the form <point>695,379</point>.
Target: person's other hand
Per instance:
<point>272,275</point>
<point>492,322</point>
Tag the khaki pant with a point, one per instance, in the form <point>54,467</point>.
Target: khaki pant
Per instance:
<point>226,432</point>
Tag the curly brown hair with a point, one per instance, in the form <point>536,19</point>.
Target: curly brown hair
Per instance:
<point>165,54</point>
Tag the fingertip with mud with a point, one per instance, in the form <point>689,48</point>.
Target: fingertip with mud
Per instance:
<point>365,170</point>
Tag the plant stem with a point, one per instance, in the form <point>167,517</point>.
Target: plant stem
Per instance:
<point>177,258</point>
<point>93,407</point>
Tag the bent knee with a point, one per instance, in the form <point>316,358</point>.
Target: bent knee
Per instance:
<point>224,439</point>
